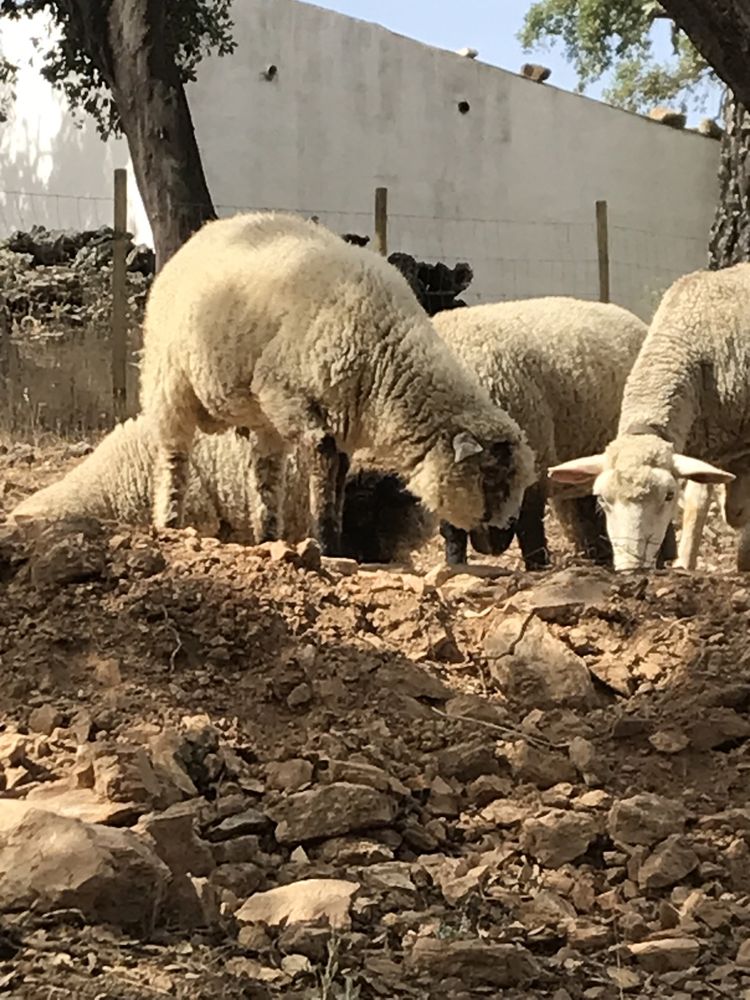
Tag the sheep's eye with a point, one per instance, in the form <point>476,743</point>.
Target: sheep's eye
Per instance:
<point>669,497</point>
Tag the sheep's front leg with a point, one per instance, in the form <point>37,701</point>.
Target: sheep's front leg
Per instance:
<point>328,469</point>
<point>530,529</point>
<point>456,544</point>
<point>270,478</point>
<point>696,501</point>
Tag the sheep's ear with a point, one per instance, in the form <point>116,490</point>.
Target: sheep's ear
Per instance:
<point>464,446</point>
<point>699,472</point>
<point>577,470</point>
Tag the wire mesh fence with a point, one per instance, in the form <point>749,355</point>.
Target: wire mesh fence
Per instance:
<point>56,363</point>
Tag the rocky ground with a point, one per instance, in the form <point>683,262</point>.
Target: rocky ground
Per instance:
<point>253,773</point>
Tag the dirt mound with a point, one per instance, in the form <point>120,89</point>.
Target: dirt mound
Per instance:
<point>250,772</point>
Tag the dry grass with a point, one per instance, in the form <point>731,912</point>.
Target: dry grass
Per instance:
<point>61,386</point>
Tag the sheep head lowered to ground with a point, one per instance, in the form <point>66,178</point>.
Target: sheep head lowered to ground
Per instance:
<point>274,323</point>
<point>637,480</point>
<point>686,406</point>
<point>558,365</point>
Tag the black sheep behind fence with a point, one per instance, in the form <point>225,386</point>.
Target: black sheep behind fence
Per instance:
<point>437,286</point>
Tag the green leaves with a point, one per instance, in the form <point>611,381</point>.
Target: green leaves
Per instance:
<point>616,37</point>
<point>77,63</point>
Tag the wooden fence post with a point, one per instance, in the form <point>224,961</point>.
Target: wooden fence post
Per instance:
<point>602,248</point>
<point>120,298</point>
<point>381,220</point>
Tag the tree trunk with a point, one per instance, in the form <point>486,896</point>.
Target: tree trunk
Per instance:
<point>730,234</point>
<point>720,31</point>
<point>156,120</point>
<point>126,41</point>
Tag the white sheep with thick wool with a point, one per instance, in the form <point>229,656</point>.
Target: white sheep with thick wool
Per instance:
<point>558,365</point>
<point>115,483</point>
<point>381,522</point>
<point>685,407</point>
<point>274,323</point>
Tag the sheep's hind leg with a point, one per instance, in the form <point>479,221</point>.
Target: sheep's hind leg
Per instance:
<point>530,529</point>
<point>327,474</point>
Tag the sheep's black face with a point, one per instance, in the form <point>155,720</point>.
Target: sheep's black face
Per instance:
<point>497,474</point>
<point>469,482</point>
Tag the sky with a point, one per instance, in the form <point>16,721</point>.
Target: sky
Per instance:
<point>491,26</point>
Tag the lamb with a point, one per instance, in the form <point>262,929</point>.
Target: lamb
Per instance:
<point>558,365</point>
<point>115,483</point>
<point>686,405</point>
<point>381,521</point>
<point>271,322</point>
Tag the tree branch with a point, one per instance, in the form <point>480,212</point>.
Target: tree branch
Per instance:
<point>720,31</point>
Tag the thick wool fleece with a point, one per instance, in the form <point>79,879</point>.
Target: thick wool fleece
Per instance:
<point>632,457</point>
<point>557,364</point>
<point>115,482</point>
<point>691,379</point>
<point>271,322</point>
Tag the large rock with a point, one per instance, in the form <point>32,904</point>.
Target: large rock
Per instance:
<point>310,900</point>
<point>176,841</point>
<point>53,862</point>
<point>70,551</point>
<point>669,863</point>
<point>666,954</point>
<point>645,819</point>
<point>539,767</point>
<point>534,667</point>
<point>330,810</point>
<point>73,803</point>
<point>563,596</point>
<point>474,963</point>
<point>557,836</point>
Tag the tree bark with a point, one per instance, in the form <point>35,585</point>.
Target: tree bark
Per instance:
<point>720,31</point>
<point>156,119</point>
<point>730,234</point>
<point>127,42</point>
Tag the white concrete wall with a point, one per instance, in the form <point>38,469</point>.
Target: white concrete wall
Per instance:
<point>53,171</point>
<point>510,186</point>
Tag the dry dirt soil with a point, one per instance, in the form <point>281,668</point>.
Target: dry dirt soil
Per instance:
<point>247,773</point>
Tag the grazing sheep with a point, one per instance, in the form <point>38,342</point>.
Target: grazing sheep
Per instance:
<point>381,522</point>
<point>686,403</point>
<point>274,323</point>
<point>558,365</point>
